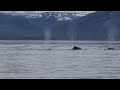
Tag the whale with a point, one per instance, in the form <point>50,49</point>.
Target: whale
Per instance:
<point>76,48</point>
<point>110,48</point>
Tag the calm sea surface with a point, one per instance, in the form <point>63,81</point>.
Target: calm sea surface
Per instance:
<point>55,59</point>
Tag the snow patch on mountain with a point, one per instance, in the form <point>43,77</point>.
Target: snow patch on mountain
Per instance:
<point>59,15</point>
<point>34,16</point>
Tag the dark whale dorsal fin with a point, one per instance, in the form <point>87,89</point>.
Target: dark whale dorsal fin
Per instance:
<point>76,48</point>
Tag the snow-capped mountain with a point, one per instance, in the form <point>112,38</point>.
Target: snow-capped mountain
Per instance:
<point>59,15</point>
<point>100,25</point>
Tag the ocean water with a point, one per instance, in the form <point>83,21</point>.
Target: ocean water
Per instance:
<point>56,60</point>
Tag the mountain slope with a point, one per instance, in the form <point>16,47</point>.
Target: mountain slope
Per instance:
<point>100,25</point>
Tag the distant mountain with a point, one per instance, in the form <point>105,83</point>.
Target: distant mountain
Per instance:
<point>59,15</point>
<point>100,25</point>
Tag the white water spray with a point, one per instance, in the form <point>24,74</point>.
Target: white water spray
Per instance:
<point>112,30</point>
<point>112,33</point>
<point>47,34</point>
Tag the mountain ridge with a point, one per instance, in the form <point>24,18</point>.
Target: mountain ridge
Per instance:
<point>57,14</point>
